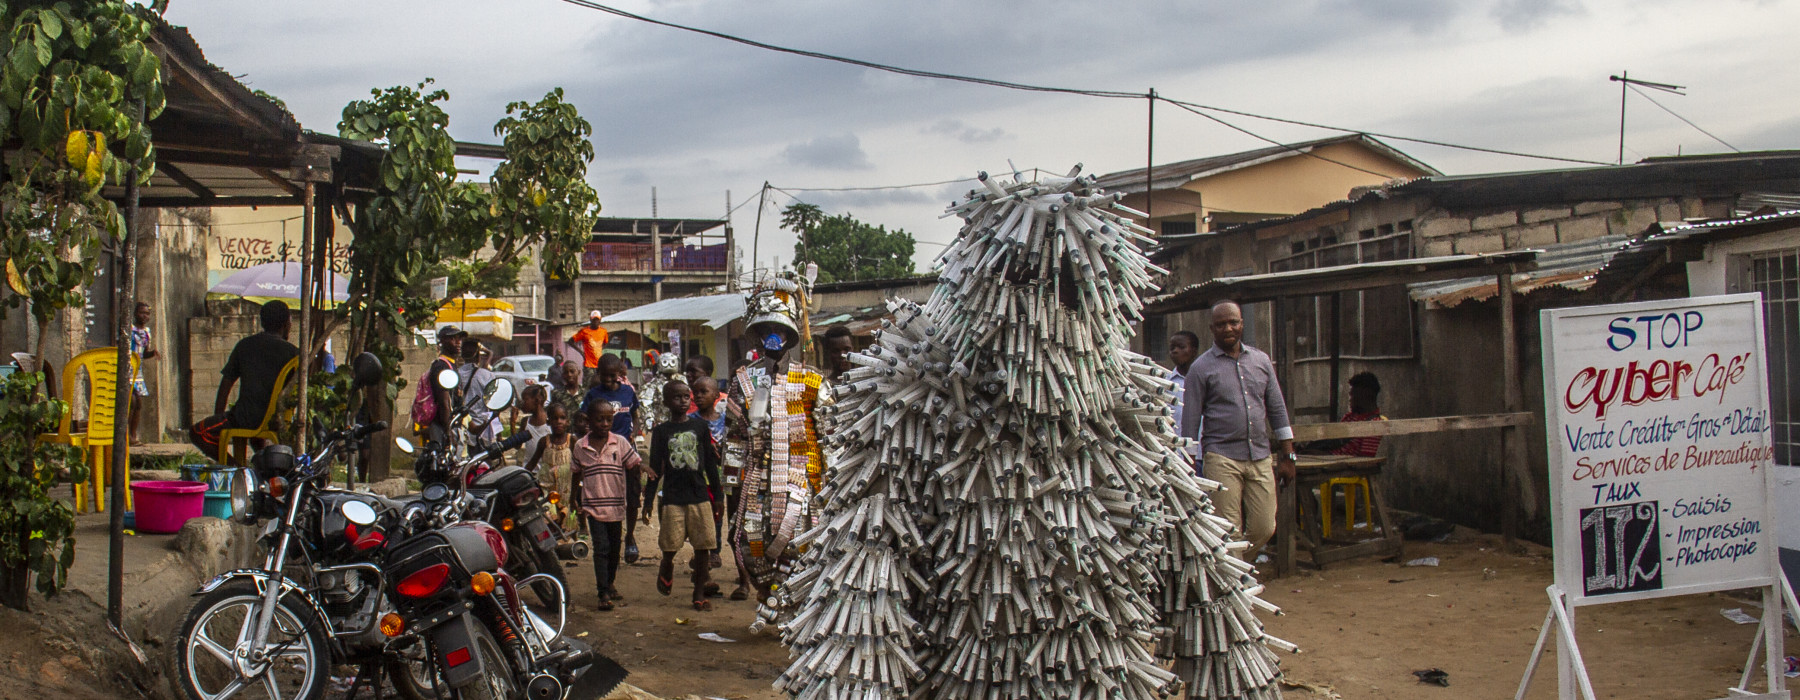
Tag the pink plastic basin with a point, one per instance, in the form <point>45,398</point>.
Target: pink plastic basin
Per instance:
<point>164,506</point>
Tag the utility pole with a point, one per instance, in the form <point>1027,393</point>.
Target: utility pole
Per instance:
<point>1625,82</point>
<point>1149,158</point>
<point>762,203</point>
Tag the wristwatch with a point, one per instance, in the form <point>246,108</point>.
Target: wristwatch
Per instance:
<point>1293,457</point>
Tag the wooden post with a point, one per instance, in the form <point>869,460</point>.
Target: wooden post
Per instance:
<point>1510,444</point>
<point>307,275</point>
<point>1337,351</point>
<point>1285,516</point>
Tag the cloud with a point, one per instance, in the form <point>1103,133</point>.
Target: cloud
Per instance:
<point>956,129</point>
<point>840,152</point>
<point>1517,16</point>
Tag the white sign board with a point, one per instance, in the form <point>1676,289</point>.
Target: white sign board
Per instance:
<point>1660,463</point>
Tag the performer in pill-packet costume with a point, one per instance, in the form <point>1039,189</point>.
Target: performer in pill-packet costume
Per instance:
<point>650,404</point>
<point>772,454</point>
<point>1008,510</point>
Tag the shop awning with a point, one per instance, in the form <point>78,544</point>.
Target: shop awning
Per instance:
<point>716,311</point>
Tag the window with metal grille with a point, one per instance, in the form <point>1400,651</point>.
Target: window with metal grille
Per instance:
<point>1374,323</point>
<point>1777,275</point>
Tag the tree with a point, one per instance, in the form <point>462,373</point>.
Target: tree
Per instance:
<point>423,223</point>
<point>847,249</point>
<point>71,77</point>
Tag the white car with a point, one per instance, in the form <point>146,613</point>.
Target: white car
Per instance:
<point>524,370</point>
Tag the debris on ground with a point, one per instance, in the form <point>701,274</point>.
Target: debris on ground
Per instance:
<point>1424,561</point>
<point>714,637</point>
<point>1739,616</point>
<point>1434,676</point>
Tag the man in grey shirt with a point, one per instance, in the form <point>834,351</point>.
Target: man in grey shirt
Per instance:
<point>1232,404</point>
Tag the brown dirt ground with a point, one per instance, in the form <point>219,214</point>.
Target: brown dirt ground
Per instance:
<point>668,658</point>
<point>1475,616</point>
<point>1364,626</point>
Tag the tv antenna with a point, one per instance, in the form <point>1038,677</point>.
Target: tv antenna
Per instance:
<point>1625,82</point>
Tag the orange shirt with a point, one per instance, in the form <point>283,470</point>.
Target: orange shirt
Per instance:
<point>593,344</point>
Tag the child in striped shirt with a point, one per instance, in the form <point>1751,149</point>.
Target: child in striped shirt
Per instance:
<point>603,462</point>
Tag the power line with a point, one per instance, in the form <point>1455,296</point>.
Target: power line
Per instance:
<point>1111,94</point>
<point>1683,119</point>
<point>1394,137</point>
<point>882,187</point>
<point>852,61</point>
<point>1291,147</point>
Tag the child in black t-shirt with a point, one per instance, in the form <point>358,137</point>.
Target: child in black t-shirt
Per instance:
<point>683,457</point>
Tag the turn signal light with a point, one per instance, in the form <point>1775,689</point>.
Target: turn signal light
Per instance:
<point>482,583</point>
<point>555,497</point>
<point>278,487</point>
<point>424,582</point>
<point>506,524</point>
<point>392,625</point>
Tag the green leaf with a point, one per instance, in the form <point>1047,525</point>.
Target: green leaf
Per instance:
<point>42,44</point>
<point>52,23</point>
<point>24,59</point>
<point>81,33</point>
<point>145,72</point>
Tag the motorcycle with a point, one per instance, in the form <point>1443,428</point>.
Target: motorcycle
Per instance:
<point>314,602</point>
<point>453,593</point>
<point>507,497</point>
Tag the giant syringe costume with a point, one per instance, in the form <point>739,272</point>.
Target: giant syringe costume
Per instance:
<point>1008,511</point>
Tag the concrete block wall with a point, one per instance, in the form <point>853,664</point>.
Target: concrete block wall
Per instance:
<point>1441,232</point>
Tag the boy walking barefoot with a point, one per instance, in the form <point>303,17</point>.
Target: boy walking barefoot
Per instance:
<point>682,456</point>
<point>603,463</point>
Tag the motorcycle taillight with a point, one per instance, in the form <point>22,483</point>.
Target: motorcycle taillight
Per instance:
<point>424,582</point>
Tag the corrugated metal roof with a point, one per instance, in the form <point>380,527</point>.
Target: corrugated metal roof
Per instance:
<point>1571,266</point>
<point>716,311</point>
<point>1659,245</point>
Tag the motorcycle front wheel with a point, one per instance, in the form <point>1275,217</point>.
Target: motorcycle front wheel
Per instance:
<point>526,560</point>
<point>213,649</point>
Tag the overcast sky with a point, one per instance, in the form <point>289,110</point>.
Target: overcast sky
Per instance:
<point>695,116</point>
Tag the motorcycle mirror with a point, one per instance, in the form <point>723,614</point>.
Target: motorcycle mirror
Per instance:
<point>499,394</point>
<point>365,371</point>
<point>447,379</point>
<point>358,512</point>
<point>404,444</point>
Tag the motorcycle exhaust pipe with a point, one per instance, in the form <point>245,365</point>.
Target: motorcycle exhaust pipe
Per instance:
<point>544,687</point>
<point>572,550</point>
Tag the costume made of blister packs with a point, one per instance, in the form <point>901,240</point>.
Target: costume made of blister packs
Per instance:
<point>650,396</point>
<point>772,453</point>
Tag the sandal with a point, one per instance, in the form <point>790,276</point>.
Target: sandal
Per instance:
<point>703,605</point>
<point>712,590</point>
<point>740,593</point>
<point>606,606</point>
<point>664,585</point>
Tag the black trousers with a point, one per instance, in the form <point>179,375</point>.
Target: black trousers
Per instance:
<point>607,550</point>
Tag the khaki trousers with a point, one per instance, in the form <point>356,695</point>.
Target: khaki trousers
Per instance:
<point>1247,498</point>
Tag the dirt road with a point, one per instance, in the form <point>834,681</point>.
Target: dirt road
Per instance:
<point>1364,626</point>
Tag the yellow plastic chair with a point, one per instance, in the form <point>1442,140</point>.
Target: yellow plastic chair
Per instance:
<point>97,443</point>
<point>1351,484</point>
<point>241,437</point>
